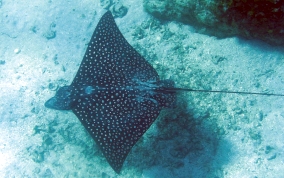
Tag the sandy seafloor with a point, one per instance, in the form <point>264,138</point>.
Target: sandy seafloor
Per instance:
<point>207,135</point>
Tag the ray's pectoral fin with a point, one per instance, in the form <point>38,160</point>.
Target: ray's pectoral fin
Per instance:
<point>117,125</point>
<point>62,99</point>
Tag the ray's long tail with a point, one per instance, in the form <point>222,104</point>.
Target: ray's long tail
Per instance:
<point>217,91</point>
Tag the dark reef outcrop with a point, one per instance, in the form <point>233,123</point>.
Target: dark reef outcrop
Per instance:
<point>252,19</point>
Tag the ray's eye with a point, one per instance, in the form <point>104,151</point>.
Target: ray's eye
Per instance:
<point>89,90</point>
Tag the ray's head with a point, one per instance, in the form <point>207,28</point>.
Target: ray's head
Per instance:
<point>62,99</point>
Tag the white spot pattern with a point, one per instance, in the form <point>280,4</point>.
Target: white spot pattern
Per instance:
<point>109,100</point>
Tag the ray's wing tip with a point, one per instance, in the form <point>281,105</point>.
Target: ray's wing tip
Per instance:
<point>116,168</point>
<point>107,13</point>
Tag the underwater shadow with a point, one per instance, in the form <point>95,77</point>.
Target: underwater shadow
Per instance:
<point>180,144</point>
<point>260,45</point>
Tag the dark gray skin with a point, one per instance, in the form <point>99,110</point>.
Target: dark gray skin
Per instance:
<point>61,100</point>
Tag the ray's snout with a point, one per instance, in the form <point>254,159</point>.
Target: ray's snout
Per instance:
<point>61,100</point>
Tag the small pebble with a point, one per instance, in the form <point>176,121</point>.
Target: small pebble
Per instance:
<point>17,51</point>
<point>52,86</point>
<point>118,10</point>
<point>106,3</point>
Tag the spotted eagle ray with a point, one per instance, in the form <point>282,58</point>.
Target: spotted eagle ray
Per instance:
<point>116,93</point>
